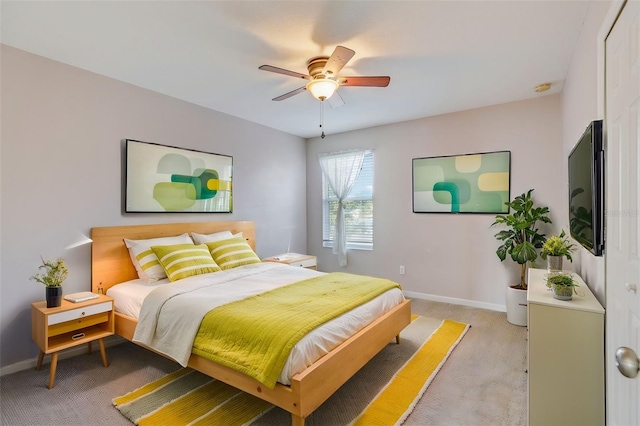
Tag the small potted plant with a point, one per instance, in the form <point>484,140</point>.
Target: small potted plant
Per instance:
<point>555,248</point>
<point>52,275</point>
<point>563,285</point>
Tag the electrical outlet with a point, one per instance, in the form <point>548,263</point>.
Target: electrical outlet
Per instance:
<point>401,269</point>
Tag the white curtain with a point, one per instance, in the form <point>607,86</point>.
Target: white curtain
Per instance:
<point>341,171</point>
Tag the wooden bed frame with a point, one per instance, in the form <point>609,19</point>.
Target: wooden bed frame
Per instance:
<point>111,265</point>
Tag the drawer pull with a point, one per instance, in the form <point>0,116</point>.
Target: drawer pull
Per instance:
<point>77,336</point>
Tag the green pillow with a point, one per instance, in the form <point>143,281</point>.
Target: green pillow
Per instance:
<point>232,252</point>
<point>185,260</point>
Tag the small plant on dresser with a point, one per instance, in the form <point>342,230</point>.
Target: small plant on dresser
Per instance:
<point>555,248</point>
<point>562,285</point>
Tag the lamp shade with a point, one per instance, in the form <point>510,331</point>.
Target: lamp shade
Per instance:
<point>80,240</point>
<point>322,88</point>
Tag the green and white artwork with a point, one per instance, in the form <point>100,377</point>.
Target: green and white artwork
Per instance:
<point>471,183</point>
<point>162,178</point>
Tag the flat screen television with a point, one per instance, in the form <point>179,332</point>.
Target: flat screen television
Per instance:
<point>586,189</point>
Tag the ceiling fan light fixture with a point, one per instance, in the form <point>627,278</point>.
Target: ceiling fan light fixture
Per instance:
<point>542,87</point>
<point>322,88</point>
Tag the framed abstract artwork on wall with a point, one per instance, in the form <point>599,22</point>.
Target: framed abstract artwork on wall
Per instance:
<point>162,178</point>
<point>470,183</point>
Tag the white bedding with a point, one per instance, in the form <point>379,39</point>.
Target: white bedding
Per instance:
<point>173,333</point>
<point>128,296</point>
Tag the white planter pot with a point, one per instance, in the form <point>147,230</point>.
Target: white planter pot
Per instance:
<point>517,306</point>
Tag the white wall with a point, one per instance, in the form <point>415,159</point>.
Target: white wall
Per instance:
<point>446,256</point>
<point>61,153</point>
<point>579,108</point>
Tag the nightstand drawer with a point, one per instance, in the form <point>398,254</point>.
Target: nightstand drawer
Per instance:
<point>76,324</point>
<point>308,263</point>
<point>81,312</point>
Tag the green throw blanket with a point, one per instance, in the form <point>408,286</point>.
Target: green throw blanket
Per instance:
<point>255,335</point>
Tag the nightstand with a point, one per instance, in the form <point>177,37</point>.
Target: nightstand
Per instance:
<point>295,259</point>
<point>70,325</point>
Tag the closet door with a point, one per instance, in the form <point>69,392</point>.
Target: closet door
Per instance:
<point>622,246</point>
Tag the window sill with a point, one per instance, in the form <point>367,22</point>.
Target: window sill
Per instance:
<point>351,246</point>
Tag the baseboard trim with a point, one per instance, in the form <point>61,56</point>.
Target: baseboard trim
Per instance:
<point>456,301</point>
<point>68,353</point>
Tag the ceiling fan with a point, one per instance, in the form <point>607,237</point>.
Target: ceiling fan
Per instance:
<point>323,77</point>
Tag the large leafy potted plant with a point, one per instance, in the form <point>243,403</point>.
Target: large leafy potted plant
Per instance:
<point>52,275</point>
<point>520,241</point>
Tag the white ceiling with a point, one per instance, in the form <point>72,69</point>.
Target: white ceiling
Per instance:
<point>442,56</point>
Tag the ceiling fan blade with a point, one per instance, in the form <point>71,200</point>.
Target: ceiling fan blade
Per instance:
<point>290,94</point>
<point>335,101</point>
<point>283,71</point>
<point>337,60</point>
<point>373,81</point>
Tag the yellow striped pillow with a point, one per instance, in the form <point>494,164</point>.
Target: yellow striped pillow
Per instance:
<point>232,252</point>
<point>145,261</point>
<point>185,260</point>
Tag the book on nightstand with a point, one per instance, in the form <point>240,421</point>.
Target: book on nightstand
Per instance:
<point>82,296</point>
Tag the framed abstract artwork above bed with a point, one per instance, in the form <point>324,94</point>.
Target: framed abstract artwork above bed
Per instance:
<point>162,178</point>
<point>470,183</point>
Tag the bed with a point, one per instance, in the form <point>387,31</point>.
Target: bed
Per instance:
<point>309,388</point>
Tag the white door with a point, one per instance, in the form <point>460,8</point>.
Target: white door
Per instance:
<point>622,119</point>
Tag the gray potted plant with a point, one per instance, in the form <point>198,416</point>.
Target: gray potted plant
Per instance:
<point>52,275</point>
<point>555,248</point>
<point>562,284</point>
<point>520,241</point>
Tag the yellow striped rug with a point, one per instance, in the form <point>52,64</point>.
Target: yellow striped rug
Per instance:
<point>396,401</point>
<point>399,375</point>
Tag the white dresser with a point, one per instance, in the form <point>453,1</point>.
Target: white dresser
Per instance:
<point>566,356</point>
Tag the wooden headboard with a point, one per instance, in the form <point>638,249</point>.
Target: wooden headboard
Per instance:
<point>110,261</point>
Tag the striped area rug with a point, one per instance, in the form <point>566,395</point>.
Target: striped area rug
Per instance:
<point>383,392</point>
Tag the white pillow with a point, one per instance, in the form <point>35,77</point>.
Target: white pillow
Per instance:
<point>145,260</point>
<point>211,238</point>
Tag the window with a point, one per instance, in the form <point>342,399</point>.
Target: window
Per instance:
<point>358,210</point>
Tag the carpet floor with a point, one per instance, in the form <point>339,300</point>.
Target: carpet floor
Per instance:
<point>483,382</point>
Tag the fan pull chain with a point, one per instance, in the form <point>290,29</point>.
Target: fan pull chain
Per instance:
<point>322,118</point>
